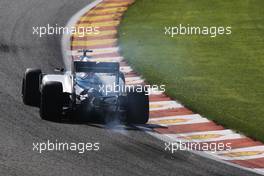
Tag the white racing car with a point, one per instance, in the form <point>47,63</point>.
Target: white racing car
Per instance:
<point>92,88</point>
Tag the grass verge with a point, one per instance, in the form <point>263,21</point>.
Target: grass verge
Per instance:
<point>221,78</point>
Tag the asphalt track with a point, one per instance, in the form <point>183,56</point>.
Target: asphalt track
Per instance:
<point>122,152</point>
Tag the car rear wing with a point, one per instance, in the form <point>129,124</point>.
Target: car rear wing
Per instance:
<point>96,67</point>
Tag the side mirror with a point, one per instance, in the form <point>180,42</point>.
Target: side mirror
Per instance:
<point>59,69</point>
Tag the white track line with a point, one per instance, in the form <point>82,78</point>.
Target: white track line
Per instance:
<point>260,171</point>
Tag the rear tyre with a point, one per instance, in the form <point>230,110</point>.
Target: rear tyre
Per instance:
<point>51,101</point>
<point>137,108</point>
<point>122,76</point>
<point>30,87</point>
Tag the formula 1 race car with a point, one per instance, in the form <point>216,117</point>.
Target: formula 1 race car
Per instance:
<point>93,88</point>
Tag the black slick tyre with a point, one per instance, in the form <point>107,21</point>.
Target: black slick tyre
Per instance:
<point>137,107</point>
<point>51,101</point>
<point>30,87</point>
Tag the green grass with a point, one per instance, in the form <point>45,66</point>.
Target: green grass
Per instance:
<point>221,78</point>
